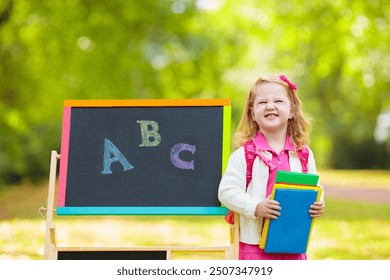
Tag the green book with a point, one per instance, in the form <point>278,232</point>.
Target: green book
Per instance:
<point>296,178</point>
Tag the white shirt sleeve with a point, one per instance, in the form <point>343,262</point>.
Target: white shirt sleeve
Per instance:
<point>232,187</point>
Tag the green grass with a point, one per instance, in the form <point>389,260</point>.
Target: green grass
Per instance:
<point>352,231</point>
<point>348,230</point>
<point>355,178</point>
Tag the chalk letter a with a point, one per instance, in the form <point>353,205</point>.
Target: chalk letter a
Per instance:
<point>110,148</point>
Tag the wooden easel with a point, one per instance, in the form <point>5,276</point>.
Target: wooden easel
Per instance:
<point>51,248</point>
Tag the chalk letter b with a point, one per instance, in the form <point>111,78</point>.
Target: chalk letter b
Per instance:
<point>109,148</point>
<point>177,161</point>
<point>149,132</point>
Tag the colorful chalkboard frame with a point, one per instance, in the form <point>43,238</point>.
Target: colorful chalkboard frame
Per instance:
<point>70,105</point>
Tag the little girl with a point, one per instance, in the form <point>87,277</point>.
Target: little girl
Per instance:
<point>273,115</point>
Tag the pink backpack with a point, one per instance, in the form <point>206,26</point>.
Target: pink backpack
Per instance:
<point>250,155</point>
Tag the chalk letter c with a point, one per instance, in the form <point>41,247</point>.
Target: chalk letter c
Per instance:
<point>175,159</point>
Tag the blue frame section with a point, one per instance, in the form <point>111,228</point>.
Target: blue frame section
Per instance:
<point>99,210</point>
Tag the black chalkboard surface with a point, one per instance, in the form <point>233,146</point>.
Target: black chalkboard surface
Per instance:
<point>143,157</point>
<point>112,255</point>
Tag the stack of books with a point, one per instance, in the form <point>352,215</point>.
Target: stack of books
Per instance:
<point>290,232</point>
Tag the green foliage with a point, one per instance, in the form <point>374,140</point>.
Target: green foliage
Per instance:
<point>336,51</point>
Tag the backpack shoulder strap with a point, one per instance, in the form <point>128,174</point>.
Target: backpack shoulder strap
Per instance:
<point>249,151</point>
<point>250,155</point>
<point>303,155</point>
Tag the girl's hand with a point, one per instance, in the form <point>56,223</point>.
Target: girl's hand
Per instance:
<point>316,209</point>
<point>268,209</point>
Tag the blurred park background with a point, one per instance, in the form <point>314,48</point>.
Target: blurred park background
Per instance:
<point>336,51</point>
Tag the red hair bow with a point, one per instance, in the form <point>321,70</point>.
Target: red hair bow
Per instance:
<point>290,84</point>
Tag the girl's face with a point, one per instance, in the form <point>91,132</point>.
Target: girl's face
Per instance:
<point>271,108</point>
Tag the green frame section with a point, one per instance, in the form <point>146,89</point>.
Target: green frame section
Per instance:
<point>227,123</point>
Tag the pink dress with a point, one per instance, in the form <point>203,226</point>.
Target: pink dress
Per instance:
<point>281,161</point>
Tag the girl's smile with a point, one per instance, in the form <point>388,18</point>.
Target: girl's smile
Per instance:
<point>271,115</point>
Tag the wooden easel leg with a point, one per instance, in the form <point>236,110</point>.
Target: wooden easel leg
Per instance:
<point>235,237</point>
<point>50,229</point>
<point>169,254</point>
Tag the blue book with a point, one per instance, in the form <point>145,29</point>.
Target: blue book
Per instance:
<point>291,232</point>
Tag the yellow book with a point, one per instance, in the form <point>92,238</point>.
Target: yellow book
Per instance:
<point>291,232</point>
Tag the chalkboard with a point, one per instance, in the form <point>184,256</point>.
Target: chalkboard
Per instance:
<point>112,255</point>
<point>143,157</point>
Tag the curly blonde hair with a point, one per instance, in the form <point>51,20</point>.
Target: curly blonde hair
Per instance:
<point>298,126</point>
